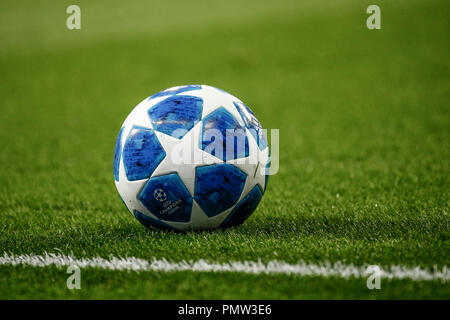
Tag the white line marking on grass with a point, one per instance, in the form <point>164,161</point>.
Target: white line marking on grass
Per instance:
<point>337,269</point>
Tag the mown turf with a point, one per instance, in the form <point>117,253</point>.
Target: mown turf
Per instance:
<point>100,284</point>
<point>364,140</point>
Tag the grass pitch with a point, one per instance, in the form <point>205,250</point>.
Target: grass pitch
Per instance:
<point>364,129</point>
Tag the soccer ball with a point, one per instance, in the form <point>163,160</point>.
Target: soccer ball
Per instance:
<point>189,158</point>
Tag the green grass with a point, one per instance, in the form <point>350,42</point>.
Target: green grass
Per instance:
<point>362,114</point>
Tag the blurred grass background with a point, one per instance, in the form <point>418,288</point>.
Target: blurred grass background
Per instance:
<point>364,127</point>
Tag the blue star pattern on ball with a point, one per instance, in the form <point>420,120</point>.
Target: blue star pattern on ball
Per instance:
<point>142,153</point>
<point>216,126</point>
<point>176,112</point>
<point>167,198</point>
<point>218,187</point>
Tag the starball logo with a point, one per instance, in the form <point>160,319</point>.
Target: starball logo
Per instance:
<point>160,195</point>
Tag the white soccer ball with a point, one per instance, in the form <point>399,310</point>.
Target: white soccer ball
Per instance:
<point>189,158</point>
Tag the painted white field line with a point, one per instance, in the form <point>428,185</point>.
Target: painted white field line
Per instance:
<point>337,269</point>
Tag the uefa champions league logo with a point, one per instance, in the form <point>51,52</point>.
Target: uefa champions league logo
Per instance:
<point>168,206</point>
<point>160,195</point>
